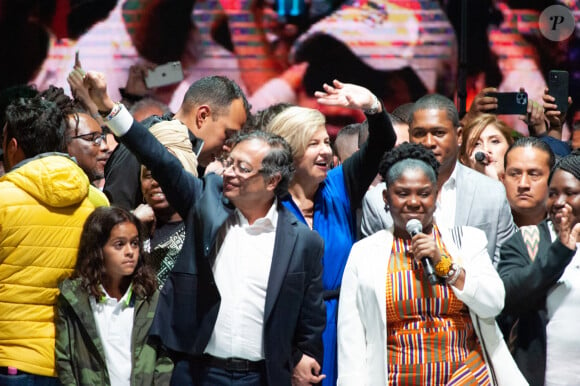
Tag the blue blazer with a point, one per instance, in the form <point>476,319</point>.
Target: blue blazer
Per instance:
<point>294,313</point>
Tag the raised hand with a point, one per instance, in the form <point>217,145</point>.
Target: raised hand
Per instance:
<point>96,85</point>
<point>555,117</point>
<point>535,119</point>
<point>483,104</point>
<point>78,89</point>
<point>136,80</point>
<point>567,232</point>
<point>347,95</point>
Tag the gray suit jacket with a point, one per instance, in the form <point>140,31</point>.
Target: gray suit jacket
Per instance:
<point>480,202</point>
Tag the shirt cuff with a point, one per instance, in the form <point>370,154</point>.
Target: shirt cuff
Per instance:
<point>121,123</point>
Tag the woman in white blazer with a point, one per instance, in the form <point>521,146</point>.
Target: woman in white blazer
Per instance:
<point>394,327</point>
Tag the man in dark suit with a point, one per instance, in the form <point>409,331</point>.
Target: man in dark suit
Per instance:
<point>243,305</point>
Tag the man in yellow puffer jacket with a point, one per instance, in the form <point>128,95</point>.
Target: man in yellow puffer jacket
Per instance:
<point>45,198</point>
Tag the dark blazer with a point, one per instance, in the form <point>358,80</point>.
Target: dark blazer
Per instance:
<point>526,286</point>
<point>294,314</point>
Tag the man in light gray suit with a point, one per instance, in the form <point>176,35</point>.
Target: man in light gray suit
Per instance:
<point>466,197</point>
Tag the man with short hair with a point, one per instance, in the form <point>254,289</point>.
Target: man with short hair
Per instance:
<point>528,163</point>
<point>213,109</point>
<point>243,304</point>
<point>346,141</point>
<point>465,197</point>
<point>46,198</point>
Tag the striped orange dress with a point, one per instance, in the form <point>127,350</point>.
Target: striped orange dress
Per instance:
<point>430,335</point>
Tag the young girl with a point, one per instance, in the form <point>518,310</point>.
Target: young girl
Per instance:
<point>105,309</point>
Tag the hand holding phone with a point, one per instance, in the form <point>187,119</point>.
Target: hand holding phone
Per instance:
<point>558,88</point>
<point>510,102</point>
<point>77,65</point>
<point>164,74</point>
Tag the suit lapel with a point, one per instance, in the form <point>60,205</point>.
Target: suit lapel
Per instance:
<point>283,249</point>
<point>464,192</point>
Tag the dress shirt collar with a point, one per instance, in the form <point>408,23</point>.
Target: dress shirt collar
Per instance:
<point>126,300</point>
<point>266,223</point>
<point>451,182</point>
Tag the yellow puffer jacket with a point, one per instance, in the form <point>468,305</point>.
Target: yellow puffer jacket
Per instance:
<point>43,206</point>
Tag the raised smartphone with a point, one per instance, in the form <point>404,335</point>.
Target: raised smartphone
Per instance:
<point>510,102</point>
<point>164,74</point>
<point>558,88</point>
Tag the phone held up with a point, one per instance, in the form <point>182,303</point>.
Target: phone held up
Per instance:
<point>558,88</point>
<point>510,102</point>
<point>164,74</point>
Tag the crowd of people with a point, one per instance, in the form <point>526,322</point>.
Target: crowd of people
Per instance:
<point>214,246</point>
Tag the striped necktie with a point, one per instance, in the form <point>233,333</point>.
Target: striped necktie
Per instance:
<point>531,236</point>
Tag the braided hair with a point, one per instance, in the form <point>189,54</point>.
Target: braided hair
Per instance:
<point>408,156</point>
<point>569,163</point>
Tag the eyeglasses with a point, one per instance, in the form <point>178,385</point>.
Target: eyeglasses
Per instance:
<point>95,137</point>
<point>240,168</point>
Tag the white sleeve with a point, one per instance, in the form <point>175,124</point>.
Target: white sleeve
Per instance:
<point>121,123</point>
<point>350,329</point>
<point>483,291</point>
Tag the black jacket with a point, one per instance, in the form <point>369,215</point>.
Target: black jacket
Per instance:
<point>294,314</point>
<point>526,286</point>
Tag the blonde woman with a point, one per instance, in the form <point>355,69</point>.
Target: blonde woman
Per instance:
<point>326,199</point>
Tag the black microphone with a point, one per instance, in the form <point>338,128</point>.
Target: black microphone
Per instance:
<point>480,157</point>
<point>414,227</point>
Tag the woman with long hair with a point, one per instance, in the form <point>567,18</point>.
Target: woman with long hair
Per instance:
<point>105,309</point>
<point>485,140</point>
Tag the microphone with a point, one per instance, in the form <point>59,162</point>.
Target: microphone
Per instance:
<point>480,157</point>
<point>414,227</point>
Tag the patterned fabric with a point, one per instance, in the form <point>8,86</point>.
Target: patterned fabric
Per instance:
<point>531,236</point>
<point>430,336</point>
<point>165,247</point>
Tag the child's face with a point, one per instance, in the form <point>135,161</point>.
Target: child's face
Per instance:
<point>121,252</point>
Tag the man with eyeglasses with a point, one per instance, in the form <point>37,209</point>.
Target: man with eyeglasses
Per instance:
<point>45,198</point>
<point>243,304</point>
<point>85,140</point>
<point>87,143</point>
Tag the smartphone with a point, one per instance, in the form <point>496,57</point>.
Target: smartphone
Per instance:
<point>164,74</point>
<point>510,102</point>
<point>558,88</point>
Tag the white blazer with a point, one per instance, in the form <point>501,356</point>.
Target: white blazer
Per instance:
<point>362,347</point>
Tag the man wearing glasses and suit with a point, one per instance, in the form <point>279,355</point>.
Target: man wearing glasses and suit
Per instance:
<point>243,304</point>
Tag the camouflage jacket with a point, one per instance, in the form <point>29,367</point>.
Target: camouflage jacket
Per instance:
<point>80,355</point>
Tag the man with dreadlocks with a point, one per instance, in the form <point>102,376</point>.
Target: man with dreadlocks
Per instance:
<point>544,292</point>
<point>85,140</point>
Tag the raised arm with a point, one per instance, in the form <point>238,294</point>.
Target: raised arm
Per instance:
<point>181,187</point>
<point>527,283</point>
<point>361,168</point>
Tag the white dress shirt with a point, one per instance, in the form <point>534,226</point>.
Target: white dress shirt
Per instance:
<point>562,338</point>
<point>446,200</point>
<point>241,272</point>
<point>114,321</point>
